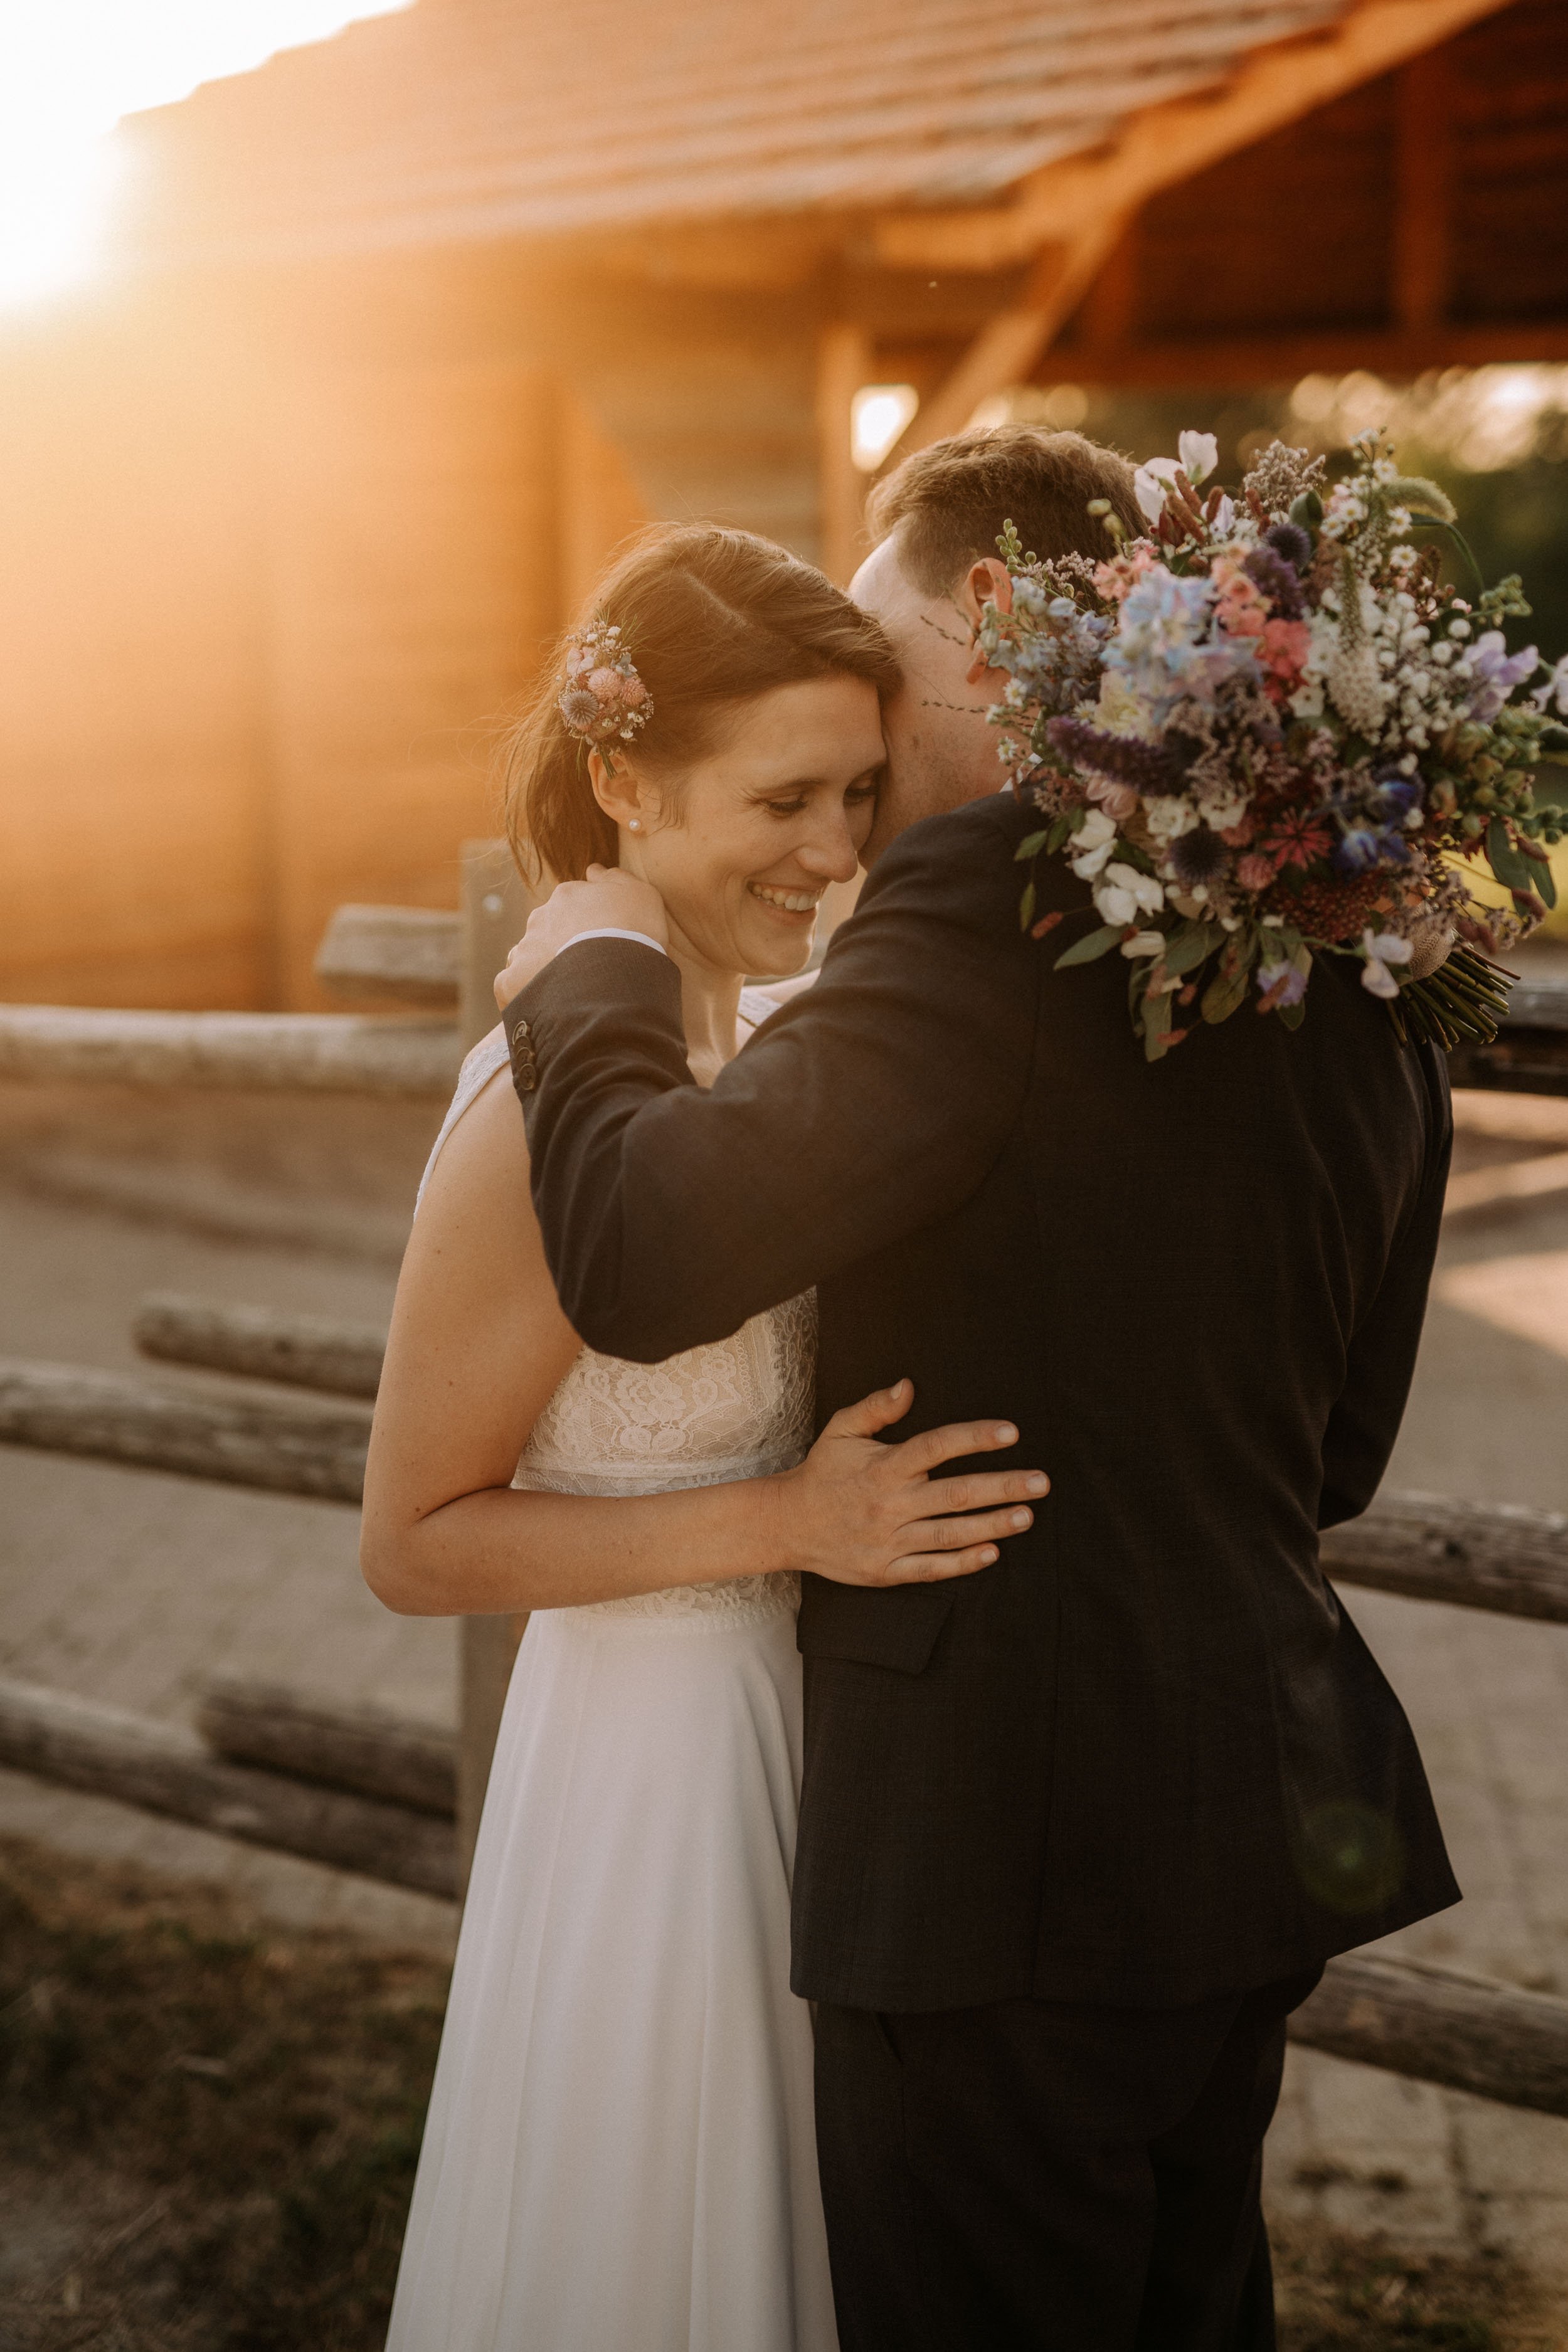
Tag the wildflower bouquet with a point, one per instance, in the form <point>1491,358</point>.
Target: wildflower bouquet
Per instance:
<point>1265,731</point>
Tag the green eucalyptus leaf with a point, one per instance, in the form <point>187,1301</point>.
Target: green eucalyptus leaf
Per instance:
<point>1086,950</point>
<point>1292,1015</point>
<point>1224,991</point>
<point>1027,907</point>
<point>1057,834</point>
<point>1030,847</point>
<point>1189,946</point>
<point>1156,1024</point>
<point>1512,870</point>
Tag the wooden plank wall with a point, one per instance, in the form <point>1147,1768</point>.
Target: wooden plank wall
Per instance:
<point>133,736</point>
<point>261,628</point>
<point>412,587</point>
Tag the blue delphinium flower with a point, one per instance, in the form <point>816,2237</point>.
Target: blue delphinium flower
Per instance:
<point>1365,847</point>
<point>1163,646</point>
<point>1286,976</point>
<point>1392,795</point>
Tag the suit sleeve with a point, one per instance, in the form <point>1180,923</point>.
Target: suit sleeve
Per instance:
<point>1365,1420</point>
<point>871,1106</point>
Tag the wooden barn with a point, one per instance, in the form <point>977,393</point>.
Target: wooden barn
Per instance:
<point>404,331</point>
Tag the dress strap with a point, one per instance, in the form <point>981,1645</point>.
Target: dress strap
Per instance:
<point>479,1067</point>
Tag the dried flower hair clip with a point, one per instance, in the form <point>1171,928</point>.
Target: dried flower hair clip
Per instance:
<point>602,699</point>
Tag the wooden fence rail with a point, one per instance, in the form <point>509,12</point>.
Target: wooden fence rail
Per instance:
<point>367,1750</point>
<point>361,1790</point>
<point>1438,2026</point>
<point>1500,1557</point>
<point>286,1445</point>
<point>309,1351</point>
<point>342,1053</point>
<point>412,953</point>
<point>166,1770</point>
<point>1493,1556</point>
<point>1531,1056</point>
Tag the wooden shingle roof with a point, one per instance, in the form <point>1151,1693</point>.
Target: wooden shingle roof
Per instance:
<point>465,120</point>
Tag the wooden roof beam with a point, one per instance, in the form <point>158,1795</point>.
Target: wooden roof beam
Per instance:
<point>1272,87</point>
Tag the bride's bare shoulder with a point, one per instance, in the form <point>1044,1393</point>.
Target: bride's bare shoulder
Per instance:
<point>481,1152</point>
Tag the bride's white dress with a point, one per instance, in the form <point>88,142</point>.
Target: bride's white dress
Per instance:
<point>620,2154</point>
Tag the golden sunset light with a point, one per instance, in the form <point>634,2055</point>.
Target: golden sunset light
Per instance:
<point>69,71</point>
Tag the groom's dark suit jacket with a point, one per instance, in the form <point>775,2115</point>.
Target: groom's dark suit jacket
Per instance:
<point>1146,1756</point>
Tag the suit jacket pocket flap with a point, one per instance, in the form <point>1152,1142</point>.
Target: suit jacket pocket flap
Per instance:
<point>895,1626</point>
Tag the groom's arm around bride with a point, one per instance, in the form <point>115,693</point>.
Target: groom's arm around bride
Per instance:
<point>1076,1831</point>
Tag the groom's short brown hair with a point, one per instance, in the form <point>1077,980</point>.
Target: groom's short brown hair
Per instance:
<point>948,503</point>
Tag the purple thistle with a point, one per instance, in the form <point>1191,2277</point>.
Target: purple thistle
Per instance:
<point>1125,759</point>
<point>579,709</point>
<point>1288,540</point>
<point>1198,857</point>
<point>1271,571</point>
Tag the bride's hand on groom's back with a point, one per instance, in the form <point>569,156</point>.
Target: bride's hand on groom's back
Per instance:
<point>860,1512</point>
<point>607,900</point>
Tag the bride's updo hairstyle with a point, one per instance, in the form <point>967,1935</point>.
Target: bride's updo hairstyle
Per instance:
<point>711,617</point>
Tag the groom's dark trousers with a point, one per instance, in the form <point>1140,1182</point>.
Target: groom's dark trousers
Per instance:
<point>1076,1831</point>
<point>1051,2174</point>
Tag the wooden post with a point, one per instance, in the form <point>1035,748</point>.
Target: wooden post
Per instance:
<point>1422,194</point>
<point>497,903</point>
<point>844,364</point>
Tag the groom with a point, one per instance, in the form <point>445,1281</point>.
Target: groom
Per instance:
<point>1077,1832</point>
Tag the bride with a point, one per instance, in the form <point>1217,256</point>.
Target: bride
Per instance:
<point>619,2154</point>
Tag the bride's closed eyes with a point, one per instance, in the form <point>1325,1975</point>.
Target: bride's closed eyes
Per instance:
<point>794,801</point>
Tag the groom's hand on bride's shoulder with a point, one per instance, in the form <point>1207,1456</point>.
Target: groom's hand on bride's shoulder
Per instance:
<point>607,900</point>
<point>860,1512</point>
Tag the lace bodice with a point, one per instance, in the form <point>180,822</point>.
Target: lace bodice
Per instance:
<point>735,1408</point>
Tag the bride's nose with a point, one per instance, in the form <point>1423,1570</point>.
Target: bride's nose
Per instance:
<point>830,854</point>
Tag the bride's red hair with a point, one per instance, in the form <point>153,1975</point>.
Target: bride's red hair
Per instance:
<point>711,617</point>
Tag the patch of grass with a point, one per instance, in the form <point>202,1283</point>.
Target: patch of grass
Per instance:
<point>208,2133</point>
<point>1340,2293</point>
<point>207,2130</point>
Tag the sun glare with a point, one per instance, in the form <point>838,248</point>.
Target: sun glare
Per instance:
<point>71,69</point>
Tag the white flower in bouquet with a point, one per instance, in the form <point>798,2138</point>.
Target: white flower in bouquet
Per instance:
<point>1199,454</point>
<point>1125,893</point>
<point>1169,817</point>
<point>1383,950</point>
<point>1149,486</point>
<point>1096,839</point>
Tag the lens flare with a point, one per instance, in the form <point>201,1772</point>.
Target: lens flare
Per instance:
<point>70,69</point>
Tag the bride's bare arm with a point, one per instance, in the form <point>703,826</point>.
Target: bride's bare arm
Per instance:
<point>477,1348</point>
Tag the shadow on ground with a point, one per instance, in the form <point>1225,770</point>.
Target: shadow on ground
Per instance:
<point>208,2129</point>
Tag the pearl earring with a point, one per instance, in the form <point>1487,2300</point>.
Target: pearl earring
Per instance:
<point>634,825</point>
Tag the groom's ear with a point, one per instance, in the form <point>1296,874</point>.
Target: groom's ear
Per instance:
<point>986,582</point>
